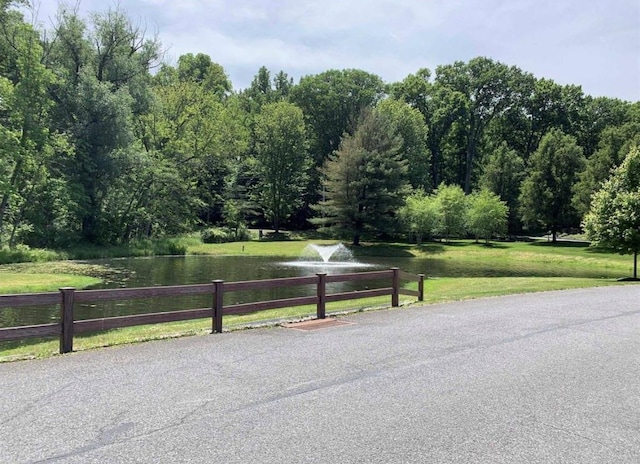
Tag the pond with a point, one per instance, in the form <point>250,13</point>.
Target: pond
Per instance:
<point>156,271</point>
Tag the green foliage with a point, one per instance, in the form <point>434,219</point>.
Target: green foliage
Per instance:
<point>264,90</point>
<point>225,235</point>
<point>27,144</point>
<point>332,102</point>
<point>421,215</point>
<point>545,199</point>
<point>483,87</point>
<point>502,175</point>
<point>23,253</point>
<point>452,204</point>
<point>201,70</point>
<point>486,215</point>
<point>614,218</point>
<point>365,180</point>
<point>282,161</point>
<point>411,127</point>
<point>615,143</point>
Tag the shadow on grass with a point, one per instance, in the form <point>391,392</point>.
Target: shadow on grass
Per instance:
<point>492,245</point>
<point>432,248</point>
<point>441,246</point>
<point>382,250</point>
<point>280,237</point>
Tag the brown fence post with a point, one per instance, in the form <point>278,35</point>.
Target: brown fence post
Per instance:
<point>421,287</point>
<point>66,319</point>
<point>217,305</point>
<point>322,295</point>
<point>395,294</point>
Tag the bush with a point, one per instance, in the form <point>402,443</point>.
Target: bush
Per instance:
<point>23,254</point>
<point>169,246</point>
<point>224,235</point>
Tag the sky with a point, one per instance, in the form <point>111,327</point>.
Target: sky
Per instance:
<point>591,43</point>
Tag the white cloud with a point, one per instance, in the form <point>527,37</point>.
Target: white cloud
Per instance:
<point>593,44</point>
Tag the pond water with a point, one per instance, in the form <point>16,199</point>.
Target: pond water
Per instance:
<point>145,272</point>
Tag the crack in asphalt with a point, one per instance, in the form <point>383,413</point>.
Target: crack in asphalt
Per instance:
<point>32,405</point>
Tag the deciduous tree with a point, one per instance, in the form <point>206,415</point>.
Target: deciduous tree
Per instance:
<point>486,215</point>
<point>452,204</point>
<point>614,218</point>
<point>545,199</point>
<point>282,161</point>
<point>502,174</point>
<point>421,215</point>
<point>412,129</point>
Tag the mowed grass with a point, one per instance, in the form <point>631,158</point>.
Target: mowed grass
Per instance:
<point>527,262</point>
<point>11,282</point>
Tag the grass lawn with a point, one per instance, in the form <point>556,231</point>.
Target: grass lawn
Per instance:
<point>11,282</point>
<point>528,261</point>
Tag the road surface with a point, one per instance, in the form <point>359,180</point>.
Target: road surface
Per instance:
<point>540,378</point>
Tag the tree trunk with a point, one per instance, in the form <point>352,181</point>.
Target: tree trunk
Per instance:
<point>635,264</point>
<point>4,203</point>
<point>356,239</point>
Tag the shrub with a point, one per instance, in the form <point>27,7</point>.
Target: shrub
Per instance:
<point>23,254</point>
<point>224,235</point>
<point>169,246</point>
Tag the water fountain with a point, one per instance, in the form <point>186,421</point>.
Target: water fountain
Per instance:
<point>338,252</point>
<point>326,256</point>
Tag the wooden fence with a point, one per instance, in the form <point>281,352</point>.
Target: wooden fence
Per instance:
<point>68,296</point>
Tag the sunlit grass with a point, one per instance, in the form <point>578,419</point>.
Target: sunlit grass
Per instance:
<point>35,283</point>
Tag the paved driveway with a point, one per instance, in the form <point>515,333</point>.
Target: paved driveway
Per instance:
<point>548,378</point>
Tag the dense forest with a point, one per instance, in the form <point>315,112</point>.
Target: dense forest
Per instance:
<point>102,142</point>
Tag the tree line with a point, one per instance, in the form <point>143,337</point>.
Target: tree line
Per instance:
<point>102,142</point>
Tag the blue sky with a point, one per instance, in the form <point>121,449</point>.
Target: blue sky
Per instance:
<point>592,43</point>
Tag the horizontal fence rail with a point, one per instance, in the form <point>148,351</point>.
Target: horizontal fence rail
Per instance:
<point>67,297</point>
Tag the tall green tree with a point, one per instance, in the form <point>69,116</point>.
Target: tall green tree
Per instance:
<point>614,218</point>
<point>615,143</point>
<point>264,89</point>
<point>502,174</point>
<point>200,69</point>
<point>332,102</point>
<point>27,144</point>
<point>442,107</point>
<point>203,136</point>
<point>365,181</point>
<point>411,127</point>
<point>282,161</point>
<point>104,84</point>
<point>485,85</point>
<point>545,199</point>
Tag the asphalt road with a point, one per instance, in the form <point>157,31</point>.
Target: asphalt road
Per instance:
<point>546,378</point>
